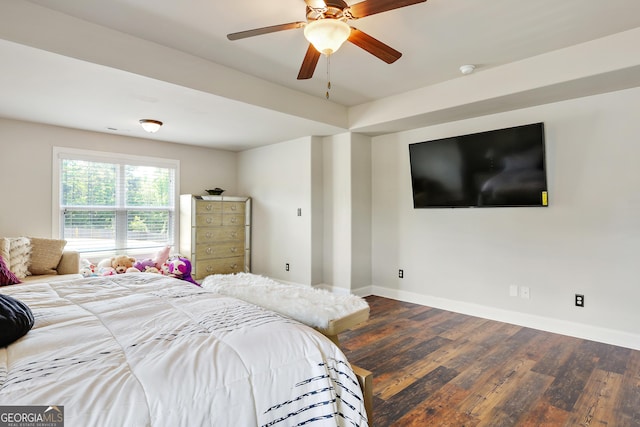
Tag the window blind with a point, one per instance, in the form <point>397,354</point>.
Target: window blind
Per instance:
<point>116,206</point>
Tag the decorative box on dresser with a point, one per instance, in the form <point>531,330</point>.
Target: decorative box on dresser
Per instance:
<point>215,233</point>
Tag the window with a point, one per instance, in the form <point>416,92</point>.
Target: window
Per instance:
<point>111,203</point>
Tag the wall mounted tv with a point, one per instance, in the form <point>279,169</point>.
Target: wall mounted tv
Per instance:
<point>498,168</point>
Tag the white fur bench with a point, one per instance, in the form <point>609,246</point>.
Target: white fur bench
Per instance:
<point>327,312</point>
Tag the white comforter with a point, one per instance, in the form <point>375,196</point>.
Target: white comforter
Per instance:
<point>145,350</point>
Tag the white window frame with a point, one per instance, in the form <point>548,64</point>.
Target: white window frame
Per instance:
<point>103,156</point>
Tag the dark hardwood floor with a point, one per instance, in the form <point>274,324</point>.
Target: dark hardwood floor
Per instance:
<point>437,368</point>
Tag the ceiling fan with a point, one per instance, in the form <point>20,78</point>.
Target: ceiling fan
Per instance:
<point>326,29</point>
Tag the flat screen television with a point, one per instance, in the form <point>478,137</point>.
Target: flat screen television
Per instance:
<point>498,168</point>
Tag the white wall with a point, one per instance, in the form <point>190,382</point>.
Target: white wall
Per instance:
<point>330,180</point>
<point>26,150</point>
<point>337,211</point>
<point>587,241</point>
<point>360,211</point>
<point>278,178</point>
<point>347,212</point>
<point>317,211</point>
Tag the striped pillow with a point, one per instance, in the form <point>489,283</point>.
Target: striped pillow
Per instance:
<point>16,252</point>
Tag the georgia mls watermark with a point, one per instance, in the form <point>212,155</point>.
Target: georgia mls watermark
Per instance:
<point>31,416</point>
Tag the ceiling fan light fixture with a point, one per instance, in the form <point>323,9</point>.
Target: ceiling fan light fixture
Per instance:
<point>327,35</point>
<point>150,126</point>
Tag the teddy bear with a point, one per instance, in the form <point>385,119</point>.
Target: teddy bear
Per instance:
<point>123,264</point>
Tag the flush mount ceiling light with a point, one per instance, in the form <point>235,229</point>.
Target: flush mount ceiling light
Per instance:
<point>467,69</point>
<point>327,35</point>
<point>150,126</point>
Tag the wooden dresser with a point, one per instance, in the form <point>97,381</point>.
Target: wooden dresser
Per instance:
<point>215,234</point>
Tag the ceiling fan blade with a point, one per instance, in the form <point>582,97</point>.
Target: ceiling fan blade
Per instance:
<point>309,63</point>
<point>316,4</point>
<point>371,7</point>
<point>265,30</point>
<point>374,46</point>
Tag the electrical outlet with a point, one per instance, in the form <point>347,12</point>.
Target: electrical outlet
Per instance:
<point>524,292</point>
<point>513,290</point>
<point>286,267</point>
<point>401,274</point>
<point>579,300</point>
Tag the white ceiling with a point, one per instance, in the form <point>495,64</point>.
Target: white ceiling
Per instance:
<point>50,78</point>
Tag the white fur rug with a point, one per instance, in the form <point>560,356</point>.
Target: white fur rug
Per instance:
<point>313,307</point>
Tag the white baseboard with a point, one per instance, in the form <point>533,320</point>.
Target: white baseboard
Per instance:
<point>364,291</point>
<point>577,330</point>
<point>335,289</point>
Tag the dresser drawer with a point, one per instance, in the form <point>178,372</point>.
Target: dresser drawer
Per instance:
<point>219,266</point>
<point>207,206</point>
<point>232,219</point>
<point>233,208</point>
<point>219,250</point>
<point>219,234</point>
<point>208,220</point>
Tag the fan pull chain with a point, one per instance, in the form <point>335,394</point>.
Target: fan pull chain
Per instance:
<point>328,76</point>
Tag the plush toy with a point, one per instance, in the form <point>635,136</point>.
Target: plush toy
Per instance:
<point>87,268</point>
<point>164,269</point>
<point>106,271</point>
<point>180,268</point>
<point>121,263</point>
<point>106,262</point>
<point>153,265</point>
<point>144,264</point>
<point>161,257</point>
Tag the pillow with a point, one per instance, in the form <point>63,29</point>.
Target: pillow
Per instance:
<point>45,255</point>
<point>16,319</point>
<point>6,276</point>
<point>4,250</point>
<point>19,256</point>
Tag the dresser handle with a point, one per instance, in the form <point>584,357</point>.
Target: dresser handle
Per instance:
<point>234,220</point>
<point>208,220</point>
<point>234,207</point>
<point>209,207</point>
<point>234,266</point>
<point>208,234</point>
<point>209,250</point>
<point>209,269</point>
<point>234,250</point>
<point>234,234</point>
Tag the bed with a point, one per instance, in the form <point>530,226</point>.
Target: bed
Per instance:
<point>148,350</point>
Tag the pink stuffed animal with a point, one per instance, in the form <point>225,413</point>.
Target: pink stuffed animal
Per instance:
<point>161,257</point>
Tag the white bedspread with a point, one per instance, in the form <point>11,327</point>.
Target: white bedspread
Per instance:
<point>146,350</point>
